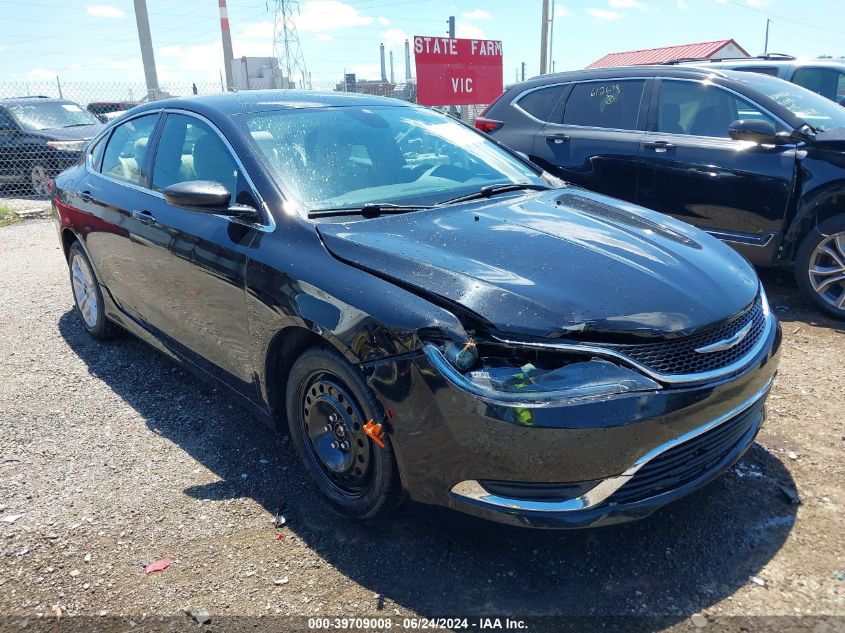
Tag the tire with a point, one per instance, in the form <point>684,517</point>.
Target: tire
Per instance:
<point>87,296</point>
<point>361,481</point>
<point>39,177</point>
<point>820,266</point>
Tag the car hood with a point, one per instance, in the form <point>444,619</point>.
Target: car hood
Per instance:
<point>81,133</point>
<point>561,263</point>
<point>831,139</point>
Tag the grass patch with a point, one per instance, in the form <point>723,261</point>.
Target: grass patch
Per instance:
<point>7,216</point>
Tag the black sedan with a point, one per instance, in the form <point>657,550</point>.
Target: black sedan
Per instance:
<point>424,310</point>
<point>754,160</point>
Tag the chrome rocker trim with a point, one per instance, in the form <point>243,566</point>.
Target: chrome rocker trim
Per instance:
<point>673,379</point>
<point>473,490</point>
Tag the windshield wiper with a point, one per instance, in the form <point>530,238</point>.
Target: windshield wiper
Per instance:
<point>77,125</point>
<point>492,190</point>
<point>370,210</point>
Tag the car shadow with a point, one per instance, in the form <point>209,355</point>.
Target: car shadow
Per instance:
<point>682,559</point>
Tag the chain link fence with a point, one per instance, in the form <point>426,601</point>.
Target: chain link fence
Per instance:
<point>44,126</point>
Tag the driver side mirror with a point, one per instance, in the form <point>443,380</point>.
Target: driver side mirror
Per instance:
<point>756,131</point>
<point>208,196</point>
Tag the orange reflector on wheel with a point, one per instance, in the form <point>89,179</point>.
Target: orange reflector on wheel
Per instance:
<point>374,432</point>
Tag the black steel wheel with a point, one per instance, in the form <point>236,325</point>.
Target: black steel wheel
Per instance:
<point>328,404</point>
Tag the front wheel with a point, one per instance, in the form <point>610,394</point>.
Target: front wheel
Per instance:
<point>328,404</point>
<point>39,180</point>
<point>820,266</point>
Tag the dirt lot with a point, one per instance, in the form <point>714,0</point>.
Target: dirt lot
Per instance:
<point>115,458</point>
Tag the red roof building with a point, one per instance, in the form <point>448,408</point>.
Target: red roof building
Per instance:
<point>703,50</point>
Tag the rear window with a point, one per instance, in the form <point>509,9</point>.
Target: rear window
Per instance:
<point>606,104</point>
<point>762,70</point>
<point>539,103</point>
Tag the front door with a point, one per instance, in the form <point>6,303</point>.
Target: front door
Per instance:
<point>194,262</point>
<point>692,169</point>
<point>593,137</point>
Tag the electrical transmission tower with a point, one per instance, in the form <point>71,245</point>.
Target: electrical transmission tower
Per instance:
<point>286,47</point>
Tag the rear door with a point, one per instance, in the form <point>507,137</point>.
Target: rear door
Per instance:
<point>692,169</point>
<point>593,136</point>
<point>525,115</point>
<point>193,263</point>
<point>107,196</point>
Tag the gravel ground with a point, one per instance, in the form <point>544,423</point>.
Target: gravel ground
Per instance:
<point>116,458</point>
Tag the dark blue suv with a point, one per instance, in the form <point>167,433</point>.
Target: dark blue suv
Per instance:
<point>754,160</point>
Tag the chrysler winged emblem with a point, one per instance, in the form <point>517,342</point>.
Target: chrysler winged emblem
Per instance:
<point>728,343</point>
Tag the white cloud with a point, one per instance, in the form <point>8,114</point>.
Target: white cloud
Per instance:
<point>757,3</point>
<point>562,12</point>
<point>477,14</point>
<point>40,74</point>
<point>625,4</point>
<point>104,11</point>
<point>604,14</point>
<point>683,5</point>
<point>316,16</point>
<point>383,21</point>
<point>258,30</point>
<point>323,37</point>
<point>393,37</point>
<point>367,71</point>
<point>469,31</point>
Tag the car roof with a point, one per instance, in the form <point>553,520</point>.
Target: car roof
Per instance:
<point>621,72</point>
<point>24,100</point>
<point>771,63</point>
<point>248,101</point>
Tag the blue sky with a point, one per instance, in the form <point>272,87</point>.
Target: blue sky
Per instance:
<point>97,40</point>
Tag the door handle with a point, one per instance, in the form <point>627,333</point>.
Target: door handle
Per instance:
<point>557,139</point>
<point>144,217</point>
<point>86,196</point>
<point>661,147</point>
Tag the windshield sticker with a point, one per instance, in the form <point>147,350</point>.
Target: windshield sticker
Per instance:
<point>607,93</point>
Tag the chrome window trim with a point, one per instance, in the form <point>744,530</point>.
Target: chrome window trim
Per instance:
<point>515,101</point>
<point>707,82</point>
<point>267,227</point>
<point>472,489</point>
<point>673,379</point>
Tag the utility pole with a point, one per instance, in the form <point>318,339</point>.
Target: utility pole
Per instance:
<point>544,38</point>
<point>227,44</point>
<point>552,37</point>
<point>147,57</point>
<point>523,71</point>
<point>766,45</point>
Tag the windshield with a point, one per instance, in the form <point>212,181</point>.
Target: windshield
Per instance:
<point>49,115</point>
<point>808,106</point>
<point>348,157</point>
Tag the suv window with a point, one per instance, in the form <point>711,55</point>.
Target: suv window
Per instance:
<point>96,153</point>
<point>608,104</point>
<point>189,149</point>
<point>127,148</point>
<point>828,82</point>
<point>762,70</point>
<point>697,109</point>
<point>539,103</point>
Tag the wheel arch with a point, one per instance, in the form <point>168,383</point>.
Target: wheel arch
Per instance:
<point>68,238</point>
<point>812,212</point>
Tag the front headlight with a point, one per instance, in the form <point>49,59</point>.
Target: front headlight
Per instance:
<point>68,146</point>
<point>511,377</point>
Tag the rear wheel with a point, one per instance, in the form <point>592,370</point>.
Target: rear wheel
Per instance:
<point>87,295</point>
<point>820,266</point>
<point>328,404</point>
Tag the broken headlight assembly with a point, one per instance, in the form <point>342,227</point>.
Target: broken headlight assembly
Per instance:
<point>523,376</point>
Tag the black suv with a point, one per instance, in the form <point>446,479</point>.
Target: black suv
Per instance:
<point>754,160</point>
<point>39,137</point>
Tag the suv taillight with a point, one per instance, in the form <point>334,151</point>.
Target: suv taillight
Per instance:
<point>487,125</point>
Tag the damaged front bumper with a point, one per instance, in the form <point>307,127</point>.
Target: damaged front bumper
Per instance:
<point>572,463</point>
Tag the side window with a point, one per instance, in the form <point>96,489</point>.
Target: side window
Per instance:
<point>96,153</point>
<point>189,149</point>
<point>609,104</point>
<point>539,103</point>
<point>6,122</point>
<point>824,81</point>
<point>124,154</point>
<point>760,70</point>
<point>689,107</point>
